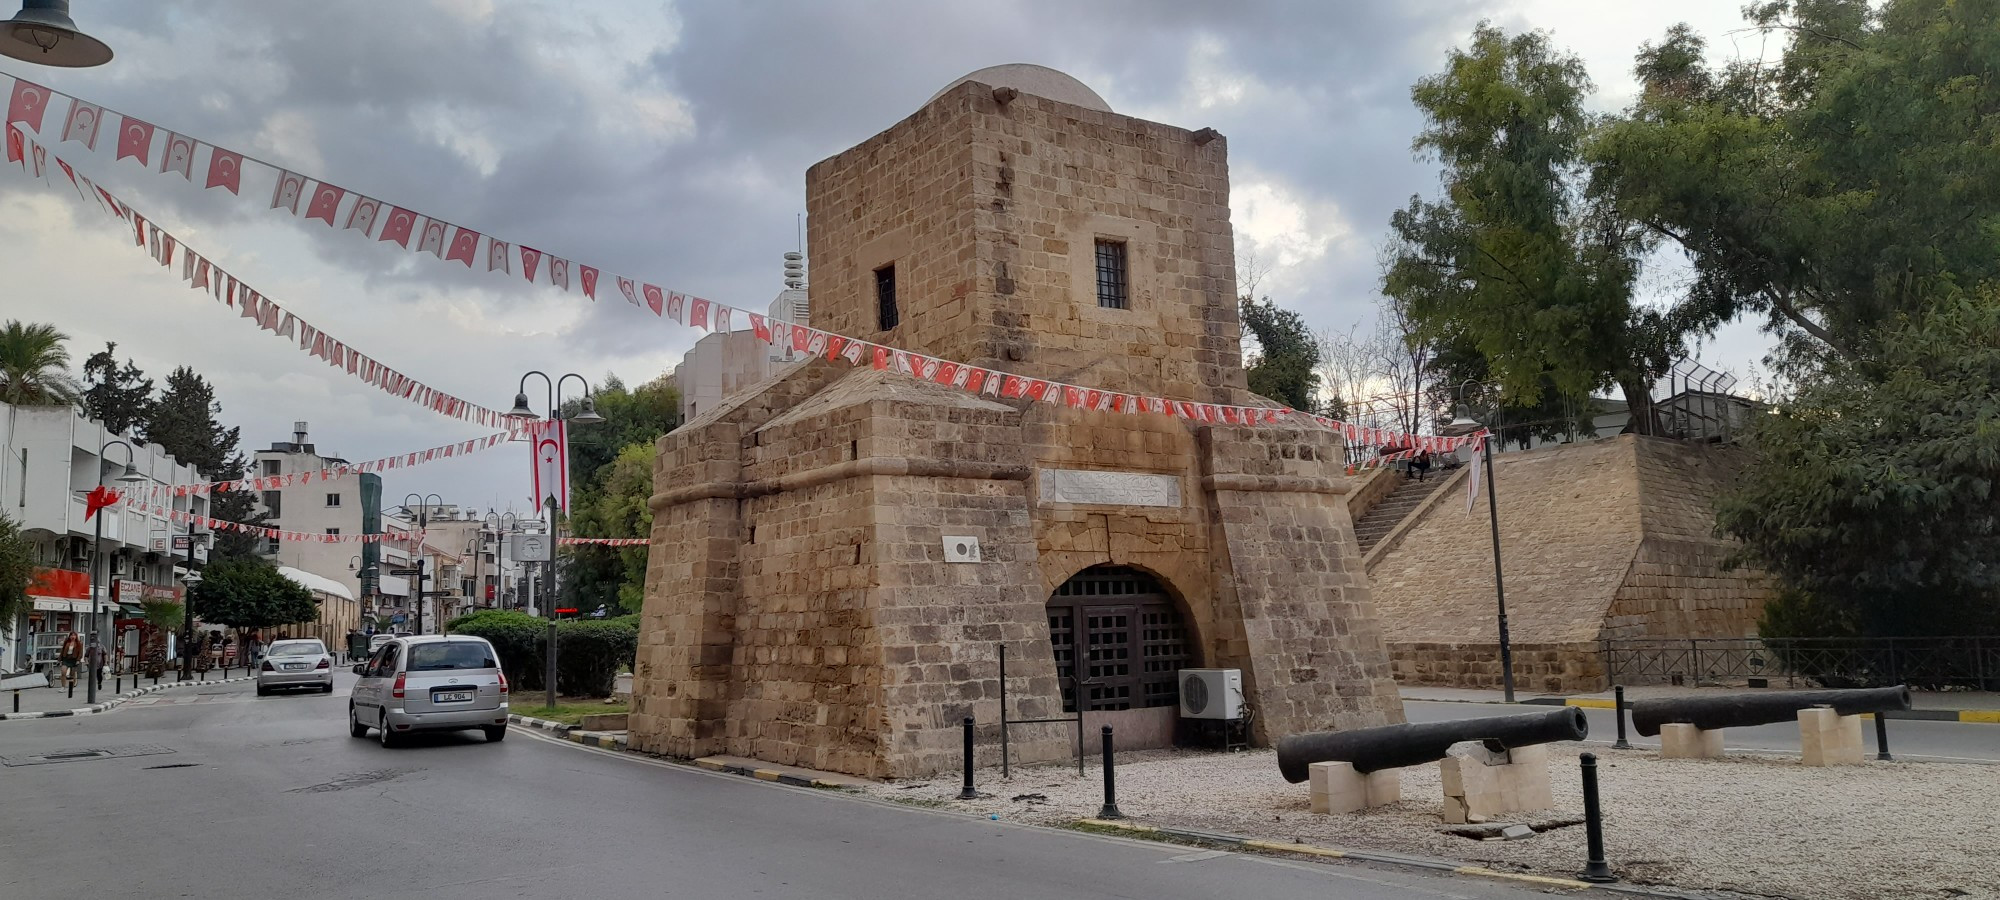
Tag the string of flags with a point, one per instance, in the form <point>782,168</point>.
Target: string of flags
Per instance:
<point>414,539</point>
<point>449,242</point>
<point>607,542</point>
<point>398,461</point>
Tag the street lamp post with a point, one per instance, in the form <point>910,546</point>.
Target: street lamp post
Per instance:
<point>423,522</point>
<point>187,602</point>
<point>502,525</point>
<point>91,649</point>
<point>1493,521</point>
<point>586,415</point>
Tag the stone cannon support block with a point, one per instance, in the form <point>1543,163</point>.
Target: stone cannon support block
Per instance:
<point>1480,785</point>
<point>1827,738</point>
<point>1682,741</point>
<point>1337,788</point>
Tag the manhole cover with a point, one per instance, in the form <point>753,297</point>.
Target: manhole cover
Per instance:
<point>78,754</point>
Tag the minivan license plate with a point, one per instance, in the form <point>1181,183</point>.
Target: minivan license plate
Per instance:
<point>451,696</point>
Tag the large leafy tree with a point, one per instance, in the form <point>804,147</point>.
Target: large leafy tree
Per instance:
<point>1284,366</point>
<point>250,593</point>
<point>1516,263</point>
<point>17,570</point>
<point>184,421</point>
<point>1855,182</point>
<point>119,396</point>
<point>34,365</point>
<point>1876,494</point>
<point>613,460</point>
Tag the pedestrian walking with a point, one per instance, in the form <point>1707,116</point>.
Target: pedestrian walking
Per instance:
<point>71,656</point>
<point>1420,465</point>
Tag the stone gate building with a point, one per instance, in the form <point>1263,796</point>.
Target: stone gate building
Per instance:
<point>800,604</point>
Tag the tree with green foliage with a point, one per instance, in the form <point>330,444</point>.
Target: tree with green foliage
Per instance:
<point>1853,183</point>
<point>17,571</point>
<point>1517,263</point>
<point>1875,493</point>
<point>184,422</point>
<point>250,593</point>
<point>613,461</point>
<point>34,365</point>
<point>1284,366</point>
<point>119,396</point>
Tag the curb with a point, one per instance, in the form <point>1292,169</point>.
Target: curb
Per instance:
<point>768,775</point>
<point>114,702</point>
<point>1419,862</point>
<point>1980,716</point>
<point>602,739</point>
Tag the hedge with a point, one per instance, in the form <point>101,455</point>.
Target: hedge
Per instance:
<point>591,652</point>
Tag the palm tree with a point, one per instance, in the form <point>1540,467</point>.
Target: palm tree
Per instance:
<point>34,366</point>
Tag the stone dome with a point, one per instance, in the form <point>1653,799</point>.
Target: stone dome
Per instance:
<point>1040,81</point>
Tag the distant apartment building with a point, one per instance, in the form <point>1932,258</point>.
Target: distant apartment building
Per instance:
<point>349,504</point>
<point>50,458</point>
<point>725,364</point>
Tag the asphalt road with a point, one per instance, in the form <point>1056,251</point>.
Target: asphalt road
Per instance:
<point>1914,739</point>
<point>247,797</point>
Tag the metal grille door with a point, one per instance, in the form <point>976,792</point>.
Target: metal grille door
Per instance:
<point>1134,641</point>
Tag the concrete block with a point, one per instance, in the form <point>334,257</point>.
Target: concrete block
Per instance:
<point>1337,788</point>
<point>1827,738</point>
<point>1480,784</point>
<point>1682,741</point>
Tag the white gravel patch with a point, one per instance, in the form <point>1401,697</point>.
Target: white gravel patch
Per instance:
<point>1764,826</point>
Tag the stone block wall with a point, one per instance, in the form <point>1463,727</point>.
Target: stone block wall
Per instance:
<point>1605,540</point>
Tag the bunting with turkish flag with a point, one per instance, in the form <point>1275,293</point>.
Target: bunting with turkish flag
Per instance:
<point>98,498</point>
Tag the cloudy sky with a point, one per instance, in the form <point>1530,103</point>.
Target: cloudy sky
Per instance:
<point>669,141</point>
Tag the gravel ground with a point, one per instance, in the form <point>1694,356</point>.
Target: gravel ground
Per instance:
<point>1760,826</point>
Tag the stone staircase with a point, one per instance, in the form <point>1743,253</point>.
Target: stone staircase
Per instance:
<point>1391,510</point>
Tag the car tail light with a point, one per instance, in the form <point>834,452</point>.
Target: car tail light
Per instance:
<point>324,663</point>
<point>396,690</point>
<point>268,667</point>
<point>503,682</point>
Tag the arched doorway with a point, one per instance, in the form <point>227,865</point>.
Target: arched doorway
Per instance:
<point>1132,635</point>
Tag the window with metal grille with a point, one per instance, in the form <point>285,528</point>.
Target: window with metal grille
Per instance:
<point>885,297</point>
<point>1111,276</point>
<point>1125,632</point>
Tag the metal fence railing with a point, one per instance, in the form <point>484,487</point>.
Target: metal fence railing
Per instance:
<point>1933,663</point>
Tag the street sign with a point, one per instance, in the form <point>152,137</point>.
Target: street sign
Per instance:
<point>398,619</point>
<point>402,573</point>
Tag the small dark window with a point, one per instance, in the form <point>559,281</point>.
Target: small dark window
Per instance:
<point>1111,278</point>
<point>271,505</point>
<point>333,531</point>
<point>885,297</point>
<point>271,466</point>
<point>333,499</point>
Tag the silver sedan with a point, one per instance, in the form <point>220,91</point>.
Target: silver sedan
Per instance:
<point>295,664</point>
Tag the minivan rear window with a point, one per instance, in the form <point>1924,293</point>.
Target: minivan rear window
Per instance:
<point>454,655</point>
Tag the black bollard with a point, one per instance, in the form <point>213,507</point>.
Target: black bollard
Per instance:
<point>17,701</point>
<point>1596,870</point>
<point>1622,744</point>
<point>1110,810</point>
<point>72,690</point>
<point>966,792</point>
<point>1882,738</point>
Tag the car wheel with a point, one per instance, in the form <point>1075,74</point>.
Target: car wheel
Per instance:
<point>326,688</point>
<point>495,733</point>
<point>354,726</point>
<point>389,738</point>
<point>263,691</point>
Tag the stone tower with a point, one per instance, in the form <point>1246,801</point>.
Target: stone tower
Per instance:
<point>803,605</point>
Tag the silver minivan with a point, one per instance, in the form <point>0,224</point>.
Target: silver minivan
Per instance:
<point>429,683</point>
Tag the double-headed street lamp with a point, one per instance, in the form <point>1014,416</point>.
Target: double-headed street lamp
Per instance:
<point>1463,421</point>
<point>586,414</point>
<point>423,509</point>
<point>189,582</point>
<point>502,525</point>
<point>130,476</point>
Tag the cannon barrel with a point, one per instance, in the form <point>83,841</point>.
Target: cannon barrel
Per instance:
<point>1390,746</point>
<point>1740,710</point>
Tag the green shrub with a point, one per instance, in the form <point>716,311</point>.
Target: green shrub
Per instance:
<point>591,654</point>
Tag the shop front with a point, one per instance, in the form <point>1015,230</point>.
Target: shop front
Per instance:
<point>58,606</point>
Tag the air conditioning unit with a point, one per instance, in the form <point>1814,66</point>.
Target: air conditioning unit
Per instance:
<point>1211,693</point>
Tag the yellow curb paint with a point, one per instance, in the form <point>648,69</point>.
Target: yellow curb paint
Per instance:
<point>1989,716</point>
<point>1516,876</point>
<point>765,775</point>
<point>711,766</point>
<point>1123,826</point>
<point>1591,703</point>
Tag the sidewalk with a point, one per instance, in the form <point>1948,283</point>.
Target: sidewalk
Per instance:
<point>1963,706</point>
<point>55,701</point>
